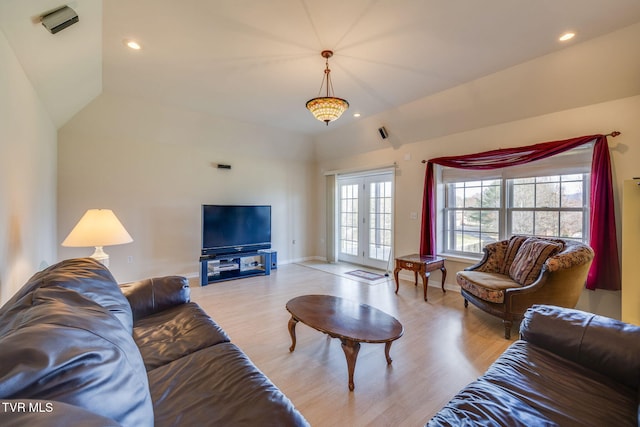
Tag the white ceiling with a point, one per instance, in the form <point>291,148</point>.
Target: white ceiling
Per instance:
<point>259,61</point>
<point>66,68</point>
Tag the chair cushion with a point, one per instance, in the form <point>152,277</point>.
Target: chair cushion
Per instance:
<point>486,286</point>
<point>528,262</point>
<point>512,249</point>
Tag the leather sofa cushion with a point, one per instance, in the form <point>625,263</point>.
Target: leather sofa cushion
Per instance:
<point>170,334</point>
<point>529,386</point>
<point>150,296</point>
<point>68,348</point>
<point>486,286</point>
<point>88,278</point>
<point>224,388</point>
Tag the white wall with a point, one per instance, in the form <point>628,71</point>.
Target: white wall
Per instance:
<point>27,177</point>
<point>621,115</point>
<point>154,166</point>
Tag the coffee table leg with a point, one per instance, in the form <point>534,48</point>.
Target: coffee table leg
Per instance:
<point>387,347</point>
<point>444,276</point>
<point>292,331</point>
<point>395,275</point>
<point>351,349</point>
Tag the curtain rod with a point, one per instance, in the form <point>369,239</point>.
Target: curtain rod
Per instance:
<point>612,135</point>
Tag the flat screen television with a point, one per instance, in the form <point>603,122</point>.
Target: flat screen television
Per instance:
<point>235,228</point>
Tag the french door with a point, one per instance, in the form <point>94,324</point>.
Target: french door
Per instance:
<point>365,218</point>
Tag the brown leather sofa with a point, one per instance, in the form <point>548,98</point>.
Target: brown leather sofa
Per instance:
<point>569,368</point>
<point>77,349</point>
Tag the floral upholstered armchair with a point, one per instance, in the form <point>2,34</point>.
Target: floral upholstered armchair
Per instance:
<point>516,273</point>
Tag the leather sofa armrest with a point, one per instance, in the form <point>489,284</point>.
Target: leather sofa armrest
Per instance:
<point>156,294</point>
<point>602,344</point>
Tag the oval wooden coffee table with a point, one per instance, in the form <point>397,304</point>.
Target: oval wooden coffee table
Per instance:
<point>349,321</point>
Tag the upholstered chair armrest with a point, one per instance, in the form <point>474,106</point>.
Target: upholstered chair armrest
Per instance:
<point>493,258</point>
<point>150,296</point>
<point>573,254</point>
<point>602,344</point>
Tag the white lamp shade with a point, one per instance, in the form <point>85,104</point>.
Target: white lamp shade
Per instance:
<point>97,227</point>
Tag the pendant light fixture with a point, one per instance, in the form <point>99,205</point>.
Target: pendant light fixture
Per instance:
<point>327,108</point>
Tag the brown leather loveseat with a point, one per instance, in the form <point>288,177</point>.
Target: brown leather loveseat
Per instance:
<point>77,349</point>
<point>569,368</point>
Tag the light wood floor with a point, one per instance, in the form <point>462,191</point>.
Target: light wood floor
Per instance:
<point>444,346</point>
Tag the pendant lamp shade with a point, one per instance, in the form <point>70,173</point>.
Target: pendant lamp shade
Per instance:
<point>327,108</point>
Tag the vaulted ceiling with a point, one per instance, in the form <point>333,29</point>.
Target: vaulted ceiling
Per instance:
<point>259,61</point>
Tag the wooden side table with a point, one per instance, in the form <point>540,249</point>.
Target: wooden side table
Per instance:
<point>420,264</point>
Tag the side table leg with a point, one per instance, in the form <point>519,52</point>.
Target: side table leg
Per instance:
<point>444,276</point>
<point>351,349</point>
<point>395,275</point>
<point>425,282</point>
<point>292,331</point>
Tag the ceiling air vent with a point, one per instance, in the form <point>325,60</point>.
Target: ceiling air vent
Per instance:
<point>59,19</point>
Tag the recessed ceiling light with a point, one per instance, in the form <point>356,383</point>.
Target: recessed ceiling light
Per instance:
<point>133,44</point>
<point>356,114</point>
<point>566,36</point>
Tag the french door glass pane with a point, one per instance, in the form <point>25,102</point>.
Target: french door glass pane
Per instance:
<point>380,211</point>
<point>349,219</point>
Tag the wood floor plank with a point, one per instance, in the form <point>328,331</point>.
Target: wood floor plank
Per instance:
<point>444,346</point>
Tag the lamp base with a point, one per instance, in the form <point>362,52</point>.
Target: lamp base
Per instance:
<point>101,256</point>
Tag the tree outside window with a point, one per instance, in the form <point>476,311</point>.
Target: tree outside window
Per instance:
<point>477,213</point>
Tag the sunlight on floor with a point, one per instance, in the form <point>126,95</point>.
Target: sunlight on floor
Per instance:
<point>341,269</point>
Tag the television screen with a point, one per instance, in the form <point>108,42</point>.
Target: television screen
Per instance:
<point>235,228</point>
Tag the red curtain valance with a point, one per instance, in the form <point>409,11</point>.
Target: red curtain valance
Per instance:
<point>605,269</point>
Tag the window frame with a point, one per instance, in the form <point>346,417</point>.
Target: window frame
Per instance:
<point>573,162</point>
<point>450,232</point>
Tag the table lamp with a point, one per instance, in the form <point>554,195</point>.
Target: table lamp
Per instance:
<point>98,227</point>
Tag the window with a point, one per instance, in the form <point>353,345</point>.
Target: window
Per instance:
<point>472,215</point>
<point>551,206</point>
<point>548,199</point>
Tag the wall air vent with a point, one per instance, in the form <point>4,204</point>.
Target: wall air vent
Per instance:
<point>59,19</point>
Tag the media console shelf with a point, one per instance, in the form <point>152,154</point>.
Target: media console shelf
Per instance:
<point>216,268</point>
